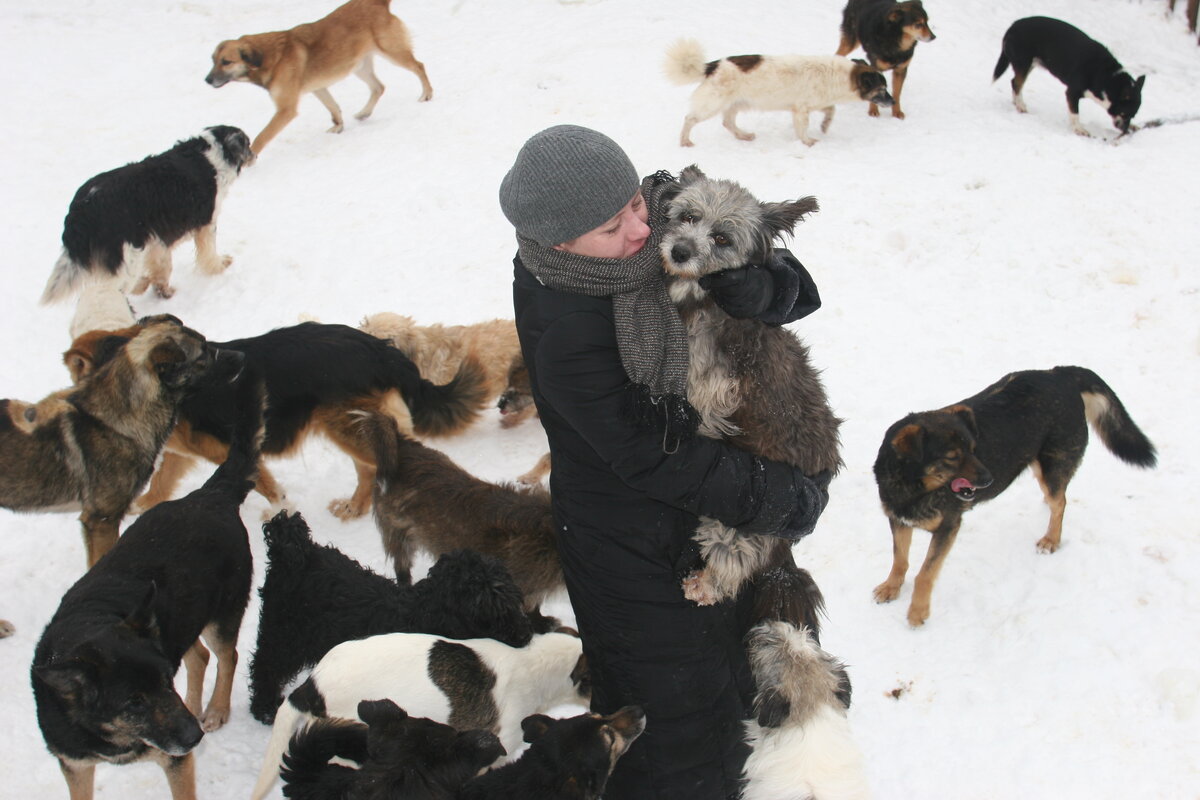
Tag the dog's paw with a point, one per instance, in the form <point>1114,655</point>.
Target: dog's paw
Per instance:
<point>214,717</point>
<point>745,137</point>
<point>346,509</point>
<point>886,592</point>
<point>697,588</point>
<point>337,128</point>
<point>917,615</point>
<point>6,629</point>
<point>164,291</point>
<point>1047,545</point>
<point>809,142</point>
<point>873,111</point>
<point>897,113</point>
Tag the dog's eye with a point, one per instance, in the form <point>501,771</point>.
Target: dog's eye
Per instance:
<point>687,216</point>
<point>136,703</point>
<point>720,240</point>
<point>225,62</point>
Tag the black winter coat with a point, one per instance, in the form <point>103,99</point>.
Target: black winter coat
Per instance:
<point>626,512</point>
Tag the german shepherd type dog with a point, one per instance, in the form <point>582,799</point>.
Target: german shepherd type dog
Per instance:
<point>314,56</point>
<point>423,500</point>
<point>934,466</point>
<point>103,672</point>
<point>97,447</point>
<point>132,216</point>
<point>751,383</point>
<point>888,33</point>
<point>1084,65</point>
<point>397,755</point>
<point>800,84</point>
<point>466,595</point>
<point>316,376</point>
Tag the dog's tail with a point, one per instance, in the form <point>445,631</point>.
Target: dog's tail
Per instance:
<point>447,409</point>
<point>239,470</point>
<point>306,769</point>
<point>65,279</point>
<point>288,720</point>
<point>788,593</point>
<point>1110,420</point>
<point>685,62</point>
<point>800,736</point>
<point>1001,65</point>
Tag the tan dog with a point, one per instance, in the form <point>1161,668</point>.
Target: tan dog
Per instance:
<point>314,56</point>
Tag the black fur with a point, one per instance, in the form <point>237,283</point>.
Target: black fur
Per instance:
<point>1080,62</point>
<point>165,196</point>
<point>103,671</point>
<point>568,759</point>
<point>464,596</point>
<point>878,27</point>
<point>399,757</point>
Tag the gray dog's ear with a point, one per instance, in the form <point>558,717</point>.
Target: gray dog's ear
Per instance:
<point>691,174</point>
<point>782,217</point>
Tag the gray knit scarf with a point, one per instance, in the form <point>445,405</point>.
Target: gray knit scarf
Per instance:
<point>650,335</point>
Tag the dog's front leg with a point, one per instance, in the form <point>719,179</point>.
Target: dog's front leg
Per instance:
<point>286,102</point>
<point>207,259</point>
<point>335,111</point>
<point>100,532</point>
<point>825,123</point>
<point>899,73</point>
<point>939,547</point>
<point>889,590</point>
<point>181,775</point>
<point>800,123</point>
<point>81,779</point>
<point>170,472</point>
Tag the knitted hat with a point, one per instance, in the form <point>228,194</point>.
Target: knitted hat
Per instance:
<point>566,181</point>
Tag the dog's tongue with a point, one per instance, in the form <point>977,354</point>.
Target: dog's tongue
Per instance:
<point>960,485</point>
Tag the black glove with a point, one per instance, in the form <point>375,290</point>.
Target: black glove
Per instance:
<point>776,292</point>
<point>813,496</point>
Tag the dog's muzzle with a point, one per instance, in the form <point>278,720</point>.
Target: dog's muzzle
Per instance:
<point>965,490</point>
<point>216,79</point>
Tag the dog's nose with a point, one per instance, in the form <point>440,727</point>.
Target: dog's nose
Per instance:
<point>680,253</point>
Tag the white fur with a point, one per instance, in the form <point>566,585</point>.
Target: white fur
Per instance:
<point>102,306</point>
<point>819,761</point>
<point>394,666</point>
<point>796,83</point>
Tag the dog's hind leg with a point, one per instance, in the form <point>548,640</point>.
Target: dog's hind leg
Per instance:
<point>1020,74</point>
<point>889,590</point>
<point>939,547</point>
<point>366,73</point>
<point>335,111</point>
<point>393,42</point>
<point>81,779</point>
<point>825,123</point>
<point>195,661</point>
<point>1053,475</point>
<point>847,44</point>
<point>156,269</point>
<point>164,480</point>
<point>729,120</point>
<point>359,503</point>
<point>224,646</point>
<point>100,530</point>
<point>208,260</point>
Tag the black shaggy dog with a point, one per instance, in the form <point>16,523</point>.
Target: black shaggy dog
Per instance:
<point>934,466</point>
<point>145,208</point>
<point>1084,65</point>
<point>567,759</point>
<point>464,596</point>
<point>399,757</point>
<point>104,670</point>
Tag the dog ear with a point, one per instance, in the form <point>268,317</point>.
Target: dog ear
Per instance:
<point>142,620</point>
<point>71,680</point>
<point>909,441</point>
<point>374,712</point>
<point>1139,83</point>
<point>581,677</point>
<point>691,174</point>
<point>535,726</point>
<point>251,56</point>
<point>896,15</point>
<point>481,747</point>
<point>78,364</point>
<point>782,217</point>
<point>771,708</point>
<point>967,415</point>
<point>153,318</point>
<point>166,358</point>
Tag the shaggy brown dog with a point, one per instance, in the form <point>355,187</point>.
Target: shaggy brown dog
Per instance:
<point>97,448</point>
<point>314,56</point>
<point>424,501</point>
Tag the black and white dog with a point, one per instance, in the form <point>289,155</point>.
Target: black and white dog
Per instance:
<point>132,216</point>
<point>1084,65</point>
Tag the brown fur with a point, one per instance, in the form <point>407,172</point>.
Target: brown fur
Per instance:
<point>424,501</point>
<point>98,447</point>
<point>313,56</point>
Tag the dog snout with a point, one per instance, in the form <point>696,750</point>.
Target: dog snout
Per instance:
<point>216,79</point>
<point>884,99</point>
<point>681,253</point>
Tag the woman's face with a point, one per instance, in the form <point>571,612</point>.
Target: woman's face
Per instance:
<point>620,237</point>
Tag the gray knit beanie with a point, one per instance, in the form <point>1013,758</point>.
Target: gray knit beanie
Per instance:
<point>566,181</point>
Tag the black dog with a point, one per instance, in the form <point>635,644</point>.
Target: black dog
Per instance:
<point>888,33</point>
<point>935,466</point>
<point>568,759</point>
<point>1084,65</point>
<point>147,207</point>
<point>399,757</point>
<point>317,376</point>
<point>464,596</point>
<point>103,672</point>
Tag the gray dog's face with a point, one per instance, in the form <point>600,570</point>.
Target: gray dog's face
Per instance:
<point>716,224</point>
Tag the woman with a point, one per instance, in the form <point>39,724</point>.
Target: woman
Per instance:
<point>607,359</point>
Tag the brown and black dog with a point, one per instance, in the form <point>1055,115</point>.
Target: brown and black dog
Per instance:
<point>318,379</point>
<point>934,466</point>
<point>888,33</point>
<point>314,56</point>
<point>95,446</point>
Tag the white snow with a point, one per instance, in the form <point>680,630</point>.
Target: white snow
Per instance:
<point>952,247</point>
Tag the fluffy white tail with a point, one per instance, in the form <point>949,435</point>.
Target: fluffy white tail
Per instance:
<point>685,62</point>
<point>65,278</point>
<point>819,760</point>
<point>287,721</point>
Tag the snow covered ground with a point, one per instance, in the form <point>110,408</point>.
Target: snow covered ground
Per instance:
<point>962,243</point>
